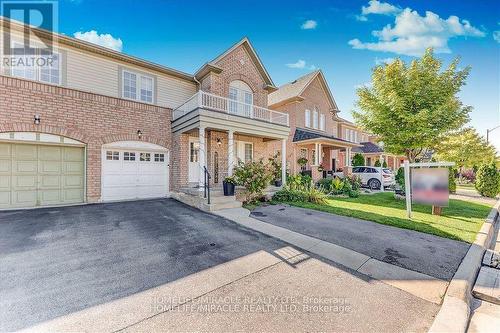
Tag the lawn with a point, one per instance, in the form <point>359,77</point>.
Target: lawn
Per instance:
<point>460,221</point>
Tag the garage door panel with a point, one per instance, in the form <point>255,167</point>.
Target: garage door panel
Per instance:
<point>24,182</point>
<point>5,199</point>
<point>47,181</point>
<point>72,195</point>
<point>25,167</point>
<point>25,152</point>
<point>5,150</point>
<point>73,168</point>
<point>50,197</point>
<point>48,153</point>
<point>5,166</point>
<point>72,181</point>
<point>73,154</point>
<point>24,198</point>
<point>50,167</point>
<point>5,182</point>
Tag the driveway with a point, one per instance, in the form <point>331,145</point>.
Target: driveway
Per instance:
<point>85,265</point>
<point>432,255</point>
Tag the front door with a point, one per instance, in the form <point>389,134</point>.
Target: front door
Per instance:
<point>194,166</point>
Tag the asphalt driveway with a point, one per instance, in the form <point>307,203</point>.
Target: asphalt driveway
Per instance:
<point>432,255</point>
<point>55,261</point>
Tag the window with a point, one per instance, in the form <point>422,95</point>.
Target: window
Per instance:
<point>138,87</point>
<point>127,156</point>
<point>322,122</point>
<point>241,98</point>
<point>315,119</point>
<point>303,152</point>
<point>159,157</point>
<point>308,118</point>
<point>248,152</point>
<point>193,152</point>
<point>145,157</point>
<point>47,67</point>
<point>112,155</point>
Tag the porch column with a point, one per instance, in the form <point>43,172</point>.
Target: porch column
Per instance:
<point>381,159</point>
<point>316,158</point>
<point>230,153</point>
<point>348,157</point>
<point>202,158</point>
<point>283,161</point>
<point>320,154</point>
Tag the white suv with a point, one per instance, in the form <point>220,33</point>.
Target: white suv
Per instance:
<point>370,176</point>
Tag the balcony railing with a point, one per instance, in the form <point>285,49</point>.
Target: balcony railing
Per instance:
<point>221,104</point>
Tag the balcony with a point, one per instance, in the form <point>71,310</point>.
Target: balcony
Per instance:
<point>207,101</point>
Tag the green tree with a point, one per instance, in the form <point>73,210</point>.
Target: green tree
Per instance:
<point>412,107</point>
<point>377,164</point>
<point>466,148</point>
<point>358,160</point>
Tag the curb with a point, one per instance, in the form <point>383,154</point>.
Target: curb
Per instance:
<point>456,309</point>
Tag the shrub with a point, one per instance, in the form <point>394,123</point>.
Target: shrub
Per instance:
<point>254,176</point>
<point>377,164</point>
<point>358,160</point>
<point>288,195</point>
<point>230,180</point>
<point>400,177</point>
<point>468,175</point>
<point>488,180</point>
<point>275,165</point>
<point>325,183</point>
<point>452,185</point>
<point>336,186</point>
<point>316,195</point>
<point>384,165</point>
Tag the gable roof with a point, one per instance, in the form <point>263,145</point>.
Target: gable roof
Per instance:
<point>245,42</point>
<point>292,91</point>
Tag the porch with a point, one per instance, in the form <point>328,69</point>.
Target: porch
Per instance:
<point>213,133</point>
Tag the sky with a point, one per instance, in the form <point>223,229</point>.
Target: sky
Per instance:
<point>345,39</point>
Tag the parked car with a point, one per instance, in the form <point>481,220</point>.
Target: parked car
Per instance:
<point>370,176</point>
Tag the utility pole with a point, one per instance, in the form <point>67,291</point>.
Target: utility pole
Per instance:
<point>488,133</point>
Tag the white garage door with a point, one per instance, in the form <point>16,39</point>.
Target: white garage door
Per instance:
<point>134,170</point>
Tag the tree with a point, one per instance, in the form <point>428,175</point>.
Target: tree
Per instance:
<point>466,148</point>
<point>358,160</point>
<point>412,107</point>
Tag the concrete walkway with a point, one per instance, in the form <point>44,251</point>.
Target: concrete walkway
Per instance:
<point>421,285</point>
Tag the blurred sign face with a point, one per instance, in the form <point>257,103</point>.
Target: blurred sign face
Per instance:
<point>430,186</point>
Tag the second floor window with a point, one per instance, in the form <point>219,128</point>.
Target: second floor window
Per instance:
<point>241,97</point>
<point>138,87</point>
<point>315,119</point>
<point>307,118</point>
<point>45,68</point>
<point>322,122</point>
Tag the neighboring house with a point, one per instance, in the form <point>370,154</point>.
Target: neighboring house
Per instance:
<point>100,125</point>
<point>370,148</point>
<point>313,123</point>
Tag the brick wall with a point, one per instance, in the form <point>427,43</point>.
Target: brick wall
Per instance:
<point>90,118</point>
<point>236,65</point>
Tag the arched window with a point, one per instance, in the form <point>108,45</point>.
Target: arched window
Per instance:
<point>241,97</point>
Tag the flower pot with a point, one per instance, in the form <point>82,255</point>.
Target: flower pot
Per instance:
<point>228,188</point>
<point>277,183</point>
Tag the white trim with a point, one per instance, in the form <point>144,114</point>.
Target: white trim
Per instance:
<point>130,145</point>
<point>307,118</point>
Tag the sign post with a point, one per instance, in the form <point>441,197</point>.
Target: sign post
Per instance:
<point>431,185</point>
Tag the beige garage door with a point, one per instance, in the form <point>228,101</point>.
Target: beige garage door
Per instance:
<point>40,175</point>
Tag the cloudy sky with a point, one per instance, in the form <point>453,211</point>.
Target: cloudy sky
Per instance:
<point>343,38</point>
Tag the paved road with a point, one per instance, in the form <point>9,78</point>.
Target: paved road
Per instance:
<point>55,262</point>
<point>435,256</point>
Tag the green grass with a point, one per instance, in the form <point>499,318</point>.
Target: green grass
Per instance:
<point>460,221</point>
<point>466,186</point>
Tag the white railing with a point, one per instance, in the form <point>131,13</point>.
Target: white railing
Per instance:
<point>222,104</point>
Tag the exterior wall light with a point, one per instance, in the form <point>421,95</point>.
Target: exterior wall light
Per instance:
<point>139,134</point>
<point>36,120</point>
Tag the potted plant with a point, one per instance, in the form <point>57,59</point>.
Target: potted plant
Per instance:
<point>228,185</point>
<point>276,168</point>
<point>321,168</point>
<point>302,162</point>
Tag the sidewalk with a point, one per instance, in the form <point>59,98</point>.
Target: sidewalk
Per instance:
<point>415,283</point>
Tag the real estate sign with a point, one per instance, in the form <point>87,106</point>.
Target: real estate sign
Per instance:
<point>430,186</point>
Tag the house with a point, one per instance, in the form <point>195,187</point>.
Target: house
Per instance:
<point>98,125</point>
<point>314,125</point>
